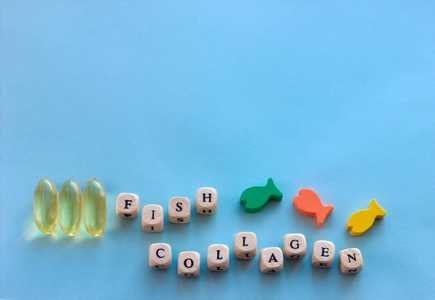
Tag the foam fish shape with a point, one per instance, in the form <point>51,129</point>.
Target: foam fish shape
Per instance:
<point>309,204</point>
<point>255,198</point>
<point>362,220</point>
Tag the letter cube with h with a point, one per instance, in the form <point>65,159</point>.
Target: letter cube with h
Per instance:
<point>206,201</point>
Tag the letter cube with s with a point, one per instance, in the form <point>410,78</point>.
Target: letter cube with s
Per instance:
<point>179,210</point>
<point>127,205</point>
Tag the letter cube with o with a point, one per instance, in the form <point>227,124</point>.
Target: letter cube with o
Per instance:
<point>245,245</point>
<point>218,257</point>
<point>153,219</point>
<point>271,260</point>
<point>323,254</point>
<point>206,201</point>
<point>294,245</point>
<point>160,256</point>
<point>189,263</point>
<point>127,205</point>
<point>179,210</point>
<point>350,261</point>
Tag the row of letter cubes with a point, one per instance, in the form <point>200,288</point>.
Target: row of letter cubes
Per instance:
<point>127,206</point>
<point>245,247</point>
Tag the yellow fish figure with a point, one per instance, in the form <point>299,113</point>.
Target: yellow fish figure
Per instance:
<point>362,220</point>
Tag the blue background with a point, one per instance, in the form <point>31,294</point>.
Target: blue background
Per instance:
<point>161,98</point>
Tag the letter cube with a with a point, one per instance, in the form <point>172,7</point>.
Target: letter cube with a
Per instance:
<point>323,254</point>
<point>127,205</point>
<point>160,256</point>
<point>218,257</point>
<point>206,200</point>
<point>179,210</point>
<point>350,261</point>
<point>294,245</point>
<point>189,263</point>
<point>153,219</point>
<point>271,260</point>
<point>245,245</point>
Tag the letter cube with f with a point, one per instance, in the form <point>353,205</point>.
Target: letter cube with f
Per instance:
<point>206,201</point>
<point>127,205</point>
<point>323,254</point>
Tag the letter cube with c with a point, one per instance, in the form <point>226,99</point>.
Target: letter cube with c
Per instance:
<point>294,245</point>
<point>350,261</point>
<point>160,256</point>
<point>271,260</point>
<point>179,210</point>
<point>189,263</point>
<point>206,201</point>
<point>323,254</point>
<point>127,205</point>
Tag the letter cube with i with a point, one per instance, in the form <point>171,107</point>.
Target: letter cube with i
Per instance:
<point>127,205</point>
<point>179,210</point>
<point>152,218</point>
<point>160,256</point>
<point>271,260</point>
<point>206,201</point>
<point>218,257</point>
<point>323,254</point>
<point>350,261</point>
<point>295,246</point>
<point>189,263</point>
<point>245,245</point>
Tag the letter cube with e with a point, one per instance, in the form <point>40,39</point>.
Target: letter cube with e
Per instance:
<point>153,219</point>
<point>323,254</point>
<point>271,260</point>
<point>218,257</point>
<point>127,205</point>
<point>206,200</point>
<point>295,246</point>
<point>160,256</point>
<point>189,263</point>
<point>179,210</point>
<point>245,245</point>
<point>350,261</point>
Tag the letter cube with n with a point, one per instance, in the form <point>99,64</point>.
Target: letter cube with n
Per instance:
<point>245,245</point>
<point>179,210</point>
<point>350,261</point>
<point>295,246</point>
<point>152,218</point>
<point>206,200</point>
<point>218,257</point>
<point>323,254</point>
<point>127,205</point>
<point>160,256</point>
<point>189,263</point>
<point>271,260</point>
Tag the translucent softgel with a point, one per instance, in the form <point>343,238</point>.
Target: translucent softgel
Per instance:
<point>94,207</point>
<point>45,205</point>
<point>70,207</point>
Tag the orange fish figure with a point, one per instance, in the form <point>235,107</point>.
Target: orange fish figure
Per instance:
<point>362,220</point>
<point>309,204</point>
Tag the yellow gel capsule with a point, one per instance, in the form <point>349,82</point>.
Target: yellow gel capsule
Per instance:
<point>45,205</point>
<point>94,207</point>
<point>70,207</point>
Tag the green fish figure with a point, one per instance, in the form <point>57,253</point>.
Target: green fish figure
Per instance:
<point>255,198</point>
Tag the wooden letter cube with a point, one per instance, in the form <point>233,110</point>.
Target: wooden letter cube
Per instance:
<point>323,254</point>
<point>295,246</point>
<point>350,261</point>
<point>127,205</point>
<point>218,257</point>
<point>160,256</point>
<point>153,219</point>
<point>245,245</point>
<point>271,260</point>
<point>206,200</point>
<point>179,210</point>
<point>189,263</point>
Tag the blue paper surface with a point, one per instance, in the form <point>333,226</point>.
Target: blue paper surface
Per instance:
<point>162,98</point>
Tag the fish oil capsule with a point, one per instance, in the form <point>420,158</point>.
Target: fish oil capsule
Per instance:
<point>70,207</point>
<point>94,207</point>
<point>45,205</point>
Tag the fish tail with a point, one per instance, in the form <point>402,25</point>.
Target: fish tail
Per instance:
<point>321,216</point>
<point>380,212</point>
<point>275,193</point>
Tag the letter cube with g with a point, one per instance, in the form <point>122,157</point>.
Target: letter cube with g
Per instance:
<point>323,254</point>
<point>189,264</point>
<point>294,245</point>
<point>127,205</point>
<point>271,260</point>
<point>160,256</point>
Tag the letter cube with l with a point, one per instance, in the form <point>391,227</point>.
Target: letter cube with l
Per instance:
<point>189,263</point>
<point>218,257</point>
<point>160,256</point>
<point>206,200</point>
<point>271,260</point>
<point>152,218</point>
<point>179,210</point>
<point>127,205</point>
<point>295,246</point>
<point>350,261</point>
<point>245,245</point>
<point>323,254</point>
